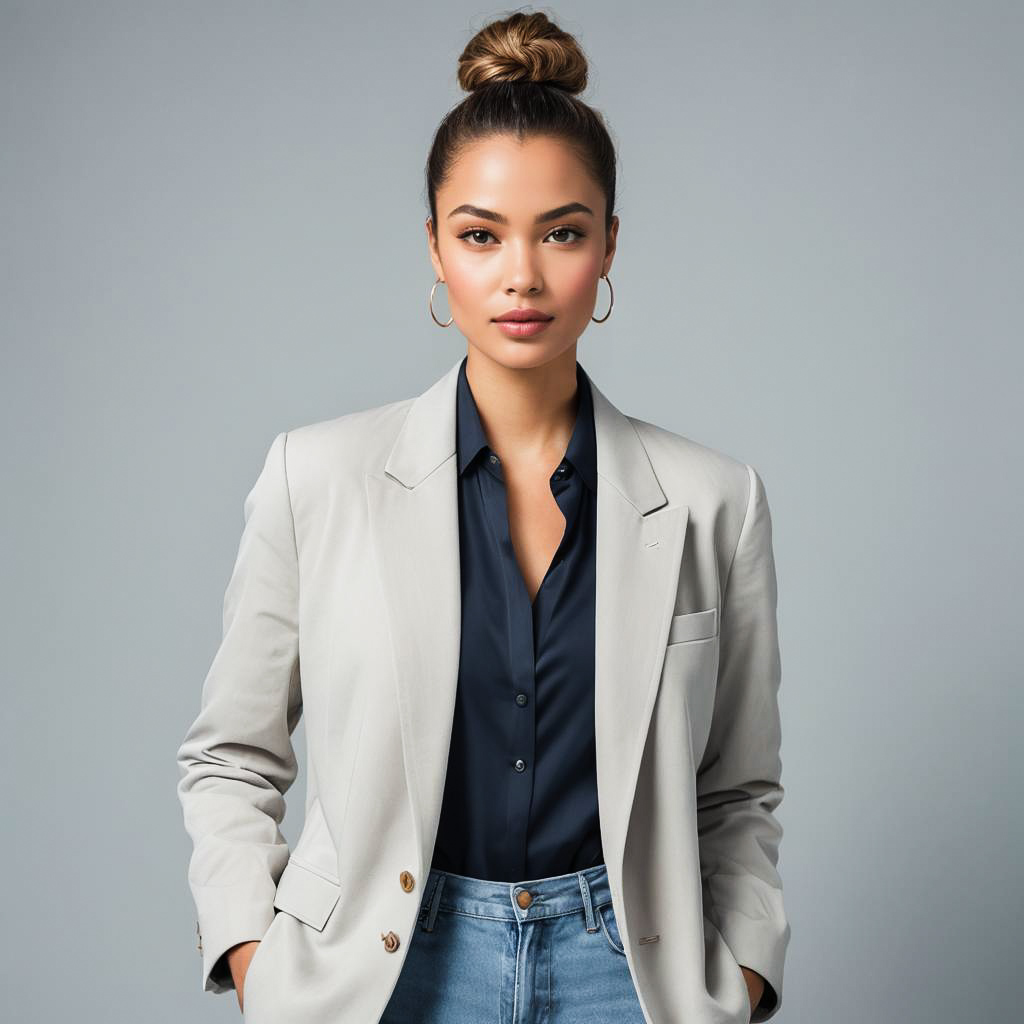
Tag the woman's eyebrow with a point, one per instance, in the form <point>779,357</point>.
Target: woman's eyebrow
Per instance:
<point>559,211</point>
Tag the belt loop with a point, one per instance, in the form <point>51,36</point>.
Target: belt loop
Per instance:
<point>588,905</point>
<point>428,892</point>
<point>435,900</point>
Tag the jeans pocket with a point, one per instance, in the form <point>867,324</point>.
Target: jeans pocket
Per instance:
<point>609,926</point>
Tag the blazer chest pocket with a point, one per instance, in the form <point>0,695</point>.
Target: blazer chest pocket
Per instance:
<point>693,626</point>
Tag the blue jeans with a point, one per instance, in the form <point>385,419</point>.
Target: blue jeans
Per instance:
<point>535,952</point>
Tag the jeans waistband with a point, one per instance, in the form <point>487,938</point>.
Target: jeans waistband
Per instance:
<point>517,901</point>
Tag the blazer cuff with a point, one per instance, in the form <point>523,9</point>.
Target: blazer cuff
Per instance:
<point>759,944</point>
<point>227,916</point>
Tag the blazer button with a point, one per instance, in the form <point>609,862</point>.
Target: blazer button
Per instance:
<point>408,882</point>
<point>524,898</point>
<point>391,942</point>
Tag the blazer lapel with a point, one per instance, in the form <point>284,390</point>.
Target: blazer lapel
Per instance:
<point>413,510</point>
<point>640,540</point>
<point>414,522</point>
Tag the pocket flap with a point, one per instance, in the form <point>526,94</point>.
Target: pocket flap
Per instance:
<point>693,626</point>
<point>306,895</point>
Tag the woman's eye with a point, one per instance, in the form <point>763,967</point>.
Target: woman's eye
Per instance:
<point>475,231</point>
<point>571,231</point>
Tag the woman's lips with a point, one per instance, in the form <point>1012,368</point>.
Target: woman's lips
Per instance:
<point>524,313</point>
<point>521,328</point>
<point>524,322</point>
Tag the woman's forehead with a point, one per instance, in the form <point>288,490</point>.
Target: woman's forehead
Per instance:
<point>531,176</point>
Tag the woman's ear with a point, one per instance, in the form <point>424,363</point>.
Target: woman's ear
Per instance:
<point>609,249</point>
<point>435,256</point>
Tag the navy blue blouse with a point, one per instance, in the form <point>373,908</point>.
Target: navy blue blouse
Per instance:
<point>520,798</point>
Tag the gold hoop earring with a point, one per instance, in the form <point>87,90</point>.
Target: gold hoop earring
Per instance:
<point>430,306</point>
<point>611,295</point>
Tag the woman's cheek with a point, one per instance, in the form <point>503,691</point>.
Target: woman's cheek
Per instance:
<point>579,286</point>
<point>466,285</point>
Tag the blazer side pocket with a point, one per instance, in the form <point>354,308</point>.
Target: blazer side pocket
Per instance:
<point>306,895</point>
<point>693,626</point>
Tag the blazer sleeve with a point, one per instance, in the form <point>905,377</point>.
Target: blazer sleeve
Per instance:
<point>237,761</point>
<point>738,780</point>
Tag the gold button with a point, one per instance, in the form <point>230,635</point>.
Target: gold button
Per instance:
<point>524,898</point>
<point>391,942</point>
<point>408,882</point>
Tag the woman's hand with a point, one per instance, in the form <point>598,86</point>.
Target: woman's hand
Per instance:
<point>239,958</point>
<point>755,986</point>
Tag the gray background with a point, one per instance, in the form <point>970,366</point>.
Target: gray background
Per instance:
<point>211,228</point>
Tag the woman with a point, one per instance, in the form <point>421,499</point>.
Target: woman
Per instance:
<point>543,754</point>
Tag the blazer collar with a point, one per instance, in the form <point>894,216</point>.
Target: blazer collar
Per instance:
<point>428,437</point>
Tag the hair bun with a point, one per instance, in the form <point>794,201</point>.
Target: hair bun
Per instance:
<point>523,48</point>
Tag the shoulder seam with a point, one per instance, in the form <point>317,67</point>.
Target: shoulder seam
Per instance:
<point>751,484</point>
<point>291,510</point>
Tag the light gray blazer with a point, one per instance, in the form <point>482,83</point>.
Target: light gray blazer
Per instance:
<point>344,605</point>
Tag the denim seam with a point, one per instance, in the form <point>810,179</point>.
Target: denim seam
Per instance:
<point>449,909</point>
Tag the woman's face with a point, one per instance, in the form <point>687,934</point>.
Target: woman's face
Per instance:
<point>521,225</point>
